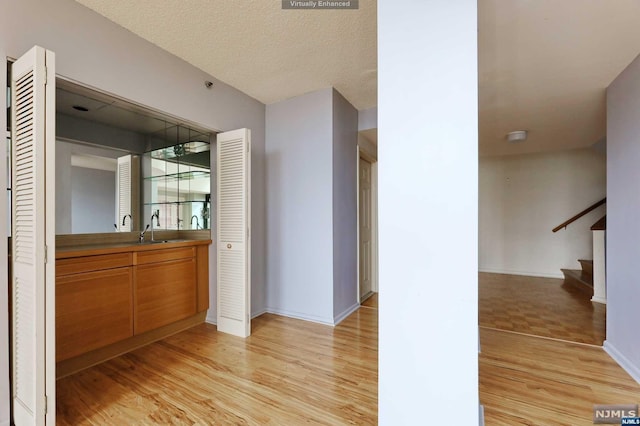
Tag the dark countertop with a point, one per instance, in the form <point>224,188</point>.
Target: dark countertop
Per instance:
<point>110,248</point>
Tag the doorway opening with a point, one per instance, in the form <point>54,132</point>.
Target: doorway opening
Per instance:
<point>368,219</point>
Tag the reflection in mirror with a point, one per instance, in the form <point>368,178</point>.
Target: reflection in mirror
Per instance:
<point>117,163</point>
<point>177,184</point>
<point>85,188</point>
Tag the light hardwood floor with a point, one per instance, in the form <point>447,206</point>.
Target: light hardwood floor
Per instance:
<point>371,302</point>
<point>289,372</point>
<point>292,372</point>
<point>541,307</point>
<point>542,362</point>
<point>528,380</point>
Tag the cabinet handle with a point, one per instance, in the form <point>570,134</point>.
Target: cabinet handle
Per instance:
<point>228,246</point>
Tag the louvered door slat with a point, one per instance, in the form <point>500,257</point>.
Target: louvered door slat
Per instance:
<point>123,193</point>
<point>234,254</point>
<point>33,282</point>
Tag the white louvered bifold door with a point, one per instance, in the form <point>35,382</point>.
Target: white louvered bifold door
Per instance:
<point>123,194</point>
<point>233,242</point>
<point>33,238</point>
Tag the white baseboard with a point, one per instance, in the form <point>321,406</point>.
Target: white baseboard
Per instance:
<point>351,309</point>
<point>522,273</point>
<point>296,315</point>
<point>599,300</point>
<point>623,361</point>
<point>300,316</point>
<point>214,320</point>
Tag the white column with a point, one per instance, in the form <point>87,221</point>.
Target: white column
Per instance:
<point>599,274</point>
<point>428,211</point>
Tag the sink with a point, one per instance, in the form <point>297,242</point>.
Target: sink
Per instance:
<point>146,242</point>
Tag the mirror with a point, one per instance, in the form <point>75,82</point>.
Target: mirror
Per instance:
<point>118,163</point>
<point>177,180</point>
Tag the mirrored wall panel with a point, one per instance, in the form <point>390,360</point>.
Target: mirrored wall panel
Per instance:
<point>118,163</point>
<point>177,181</point>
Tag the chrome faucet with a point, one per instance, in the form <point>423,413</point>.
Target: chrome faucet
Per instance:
<point>124,218</point>
<point>197,221</point>
<point>155,214</point>
<point>141,239</point>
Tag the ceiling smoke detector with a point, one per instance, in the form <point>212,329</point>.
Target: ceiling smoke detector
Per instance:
<point>517,136</point>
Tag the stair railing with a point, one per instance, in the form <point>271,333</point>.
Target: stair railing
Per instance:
<point>579,215</point>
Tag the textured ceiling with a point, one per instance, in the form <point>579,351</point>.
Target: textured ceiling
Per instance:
<point>544,65</point>
<point>268,53</point>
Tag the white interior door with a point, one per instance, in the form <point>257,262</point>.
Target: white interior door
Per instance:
<point>233,231</point>
<point>33,237</point>
<point>365,225</point>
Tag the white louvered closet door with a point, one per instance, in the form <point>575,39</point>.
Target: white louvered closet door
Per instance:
<point>233,233</point>
<point>123,194</point>
<point>33,238</point>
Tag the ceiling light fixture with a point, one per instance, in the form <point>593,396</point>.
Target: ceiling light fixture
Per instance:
<point>517,136</point>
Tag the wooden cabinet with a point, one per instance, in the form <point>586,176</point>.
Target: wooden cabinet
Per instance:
<point>165,291</point>
<point>110,303</point>
<point>93,309</point>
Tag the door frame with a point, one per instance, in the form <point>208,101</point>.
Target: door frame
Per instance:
<point>361,153</point>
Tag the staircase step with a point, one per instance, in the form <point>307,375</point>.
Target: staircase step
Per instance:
<point>587,267</point>
<point>579,280</point>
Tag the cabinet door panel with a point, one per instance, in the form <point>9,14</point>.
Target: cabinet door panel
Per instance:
<point>202,260</point>
<point>93,309</point>
<point>165,292</point>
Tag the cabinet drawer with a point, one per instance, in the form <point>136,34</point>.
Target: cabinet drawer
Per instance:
<point>78,265</point>
<point>154,256</point>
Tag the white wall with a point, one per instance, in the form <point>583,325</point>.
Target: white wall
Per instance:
<point>299,207</point>
<point>94,51</point>
<point>93,201</point>
<point>428,205</point>
<point>623,224</point>
<point>312,213</point>
<point>523,197</point>
<point>345,209</point>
